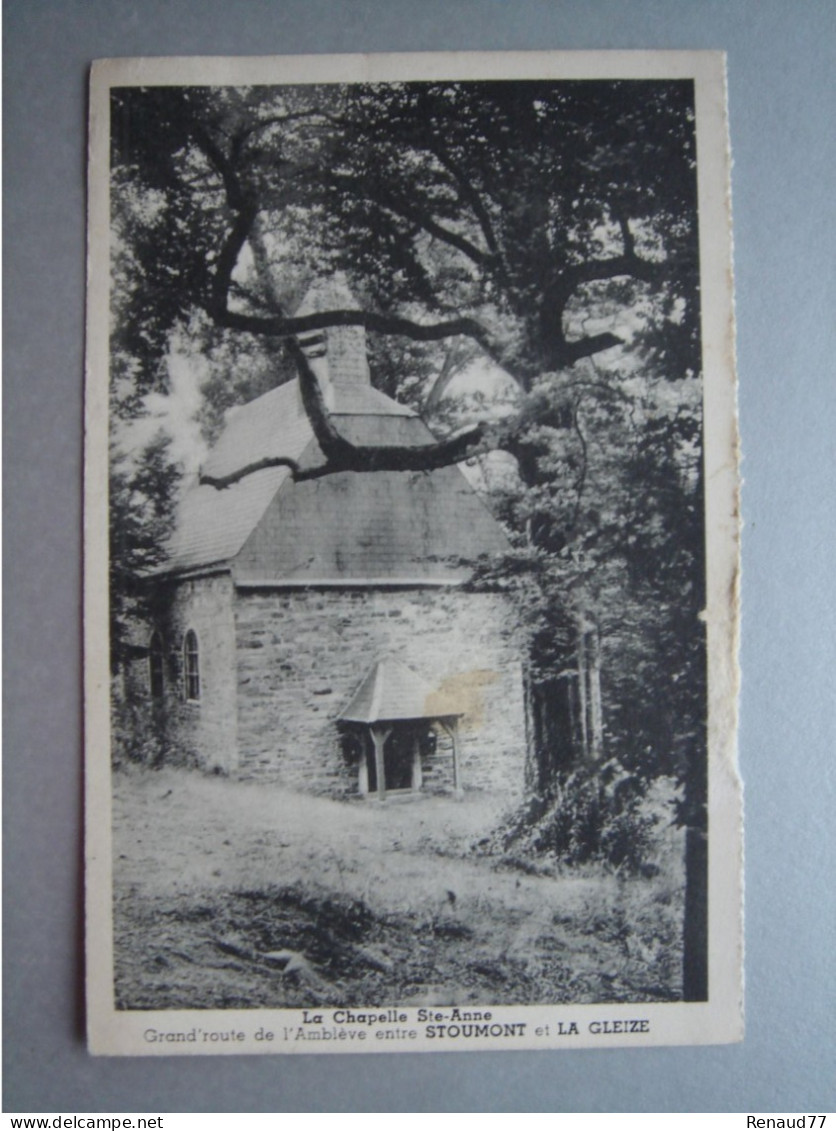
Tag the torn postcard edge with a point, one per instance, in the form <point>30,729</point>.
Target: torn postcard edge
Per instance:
<point>411,555</point>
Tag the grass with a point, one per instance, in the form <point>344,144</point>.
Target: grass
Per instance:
<point>231,895</point>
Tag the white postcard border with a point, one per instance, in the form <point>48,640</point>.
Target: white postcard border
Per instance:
<point>115,1032</point>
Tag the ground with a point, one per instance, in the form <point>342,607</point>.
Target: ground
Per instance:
<point>231,894</point>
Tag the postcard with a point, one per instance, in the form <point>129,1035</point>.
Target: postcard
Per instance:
<point>411,555</point>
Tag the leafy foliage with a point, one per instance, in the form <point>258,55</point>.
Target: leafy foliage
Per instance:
<point>598,813</point>
<point>141,512</point>
<point>500,202</point>
<point>608,546</point>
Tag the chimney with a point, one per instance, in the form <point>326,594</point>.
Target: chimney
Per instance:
<point>337,354</point>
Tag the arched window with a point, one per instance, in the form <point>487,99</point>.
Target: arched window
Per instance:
<point>155,666</point>
<point>191,666</point>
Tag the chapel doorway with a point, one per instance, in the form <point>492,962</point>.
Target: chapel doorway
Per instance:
<point>401,761</point>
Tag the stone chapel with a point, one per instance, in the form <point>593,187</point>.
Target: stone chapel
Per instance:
<point>321,633</point>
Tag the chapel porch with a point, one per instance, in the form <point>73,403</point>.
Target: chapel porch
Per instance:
<point>392,724</point>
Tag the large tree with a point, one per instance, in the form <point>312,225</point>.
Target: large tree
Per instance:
<point>495,212</point>
<point>546,228</point>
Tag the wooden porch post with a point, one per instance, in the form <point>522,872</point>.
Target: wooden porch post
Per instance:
<point>379,736</point>
<point>363,767</point>
<point>456,768</point>
<point>416,762</point>
<point>452,728</point>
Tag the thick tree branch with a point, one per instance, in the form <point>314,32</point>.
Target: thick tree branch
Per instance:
<point>235,196</point>
<point>278,325</point>
<point>430,225</point>
<point>563,351</point>
<point>245,209</point>
<point>339,454</point>
<point>449,369</point>
<point>344,456</point>
<point>282,119</point>
<point>284,327</point>
<point>576,349</point>
<point>469,196</point>
<point>221,283</point>
<point>412,211</point>
<point>629,263</point>
<point>221,481</point>
<point>626,235</point>
<point>243,227</point>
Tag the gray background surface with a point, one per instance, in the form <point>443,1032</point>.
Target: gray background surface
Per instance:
<point>781,82</point>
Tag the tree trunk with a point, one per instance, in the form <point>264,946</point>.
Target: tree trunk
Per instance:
<point>695,925</point>
<point>596,717</point>
<point>583,704</point>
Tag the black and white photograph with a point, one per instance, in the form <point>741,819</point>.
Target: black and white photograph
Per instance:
<point>411,540</point>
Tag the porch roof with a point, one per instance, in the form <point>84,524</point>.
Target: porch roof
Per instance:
<point>392,692</point>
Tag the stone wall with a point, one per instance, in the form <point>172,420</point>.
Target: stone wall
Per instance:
<point>203,732</point>
<point>303,653</point>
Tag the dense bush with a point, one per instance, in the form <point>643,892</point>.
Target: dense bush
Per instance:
<point>136,734</point>
<point>598,813</point>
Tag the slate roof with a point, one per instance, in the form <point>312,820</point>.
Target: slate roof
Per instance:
<point>276,424</point>
<point>391,692</point>
<point>347,527</point>
<point>384,527</point>
<point>212,525</point>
